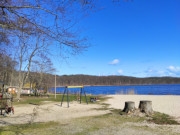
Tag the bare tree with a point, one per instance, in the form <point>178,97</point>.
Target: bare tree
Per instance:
<point>40,71</point>
<point>33,24</point>
<point>7,67</point>
<point>28,50</point>
<point>53,18</point>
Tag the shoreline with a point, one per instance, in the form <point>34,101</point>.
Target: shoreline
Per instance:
<point>162,89</point>
<point>118,85</point>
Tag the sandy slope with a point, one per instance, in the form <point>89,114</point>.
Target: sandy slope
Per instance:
<point>168,104</point>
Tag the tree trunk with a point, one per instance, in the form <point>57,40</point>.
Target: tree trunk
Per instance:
<point>129,107</point>
<point>146,106</point>
<point>19,92</point>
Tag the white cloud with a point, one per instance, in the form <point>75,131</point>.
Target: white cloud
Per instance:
<point>174,69</point>
<point>155,73</point>
<point>171,67</point>
<point>120,71</point>
<point>169,71</point>
<point>114,62</point>
<point>150,71</point>
<point>172,74</point>
<point>161,72</point>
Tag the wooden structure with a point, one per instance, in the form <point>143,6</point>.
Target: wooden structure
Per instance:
<point>6,104</point>
<point>146,106</point>
<point>66,91</point>
<point>129,107</point>
<point>11,90</point>
<point>6,101</point>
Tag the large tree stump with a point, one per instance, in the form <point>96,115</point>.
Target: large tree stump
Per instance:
<point>129,107</point>
<point>145,106</point>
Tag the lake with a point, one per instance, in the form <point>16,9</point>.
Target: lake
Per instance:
<point>165,89</point>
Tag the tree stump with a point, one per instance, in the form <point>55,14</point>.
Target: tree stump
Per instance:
<point>145,106</point>
<point>129,107</point>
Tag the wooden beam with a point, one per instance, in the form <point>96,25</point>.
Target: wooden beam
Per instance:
<point>74,86</point>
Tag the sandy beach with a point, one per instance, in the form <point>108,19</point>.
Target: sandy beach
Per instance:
<point>51,111</point>
<point>168,104</point>
<point>83,118</point>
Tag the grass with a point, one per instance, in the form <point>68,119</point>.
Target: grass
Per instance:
<point>111,123</point>
<point>39,100</point>
<point>95,124</point>
<point>26,128</point>
<point>79,126</point>
<point>161,118</point>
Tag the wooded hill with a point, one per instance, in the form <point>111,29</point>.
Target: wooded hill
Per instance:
<point>112,80</point>
<point>9,75</point>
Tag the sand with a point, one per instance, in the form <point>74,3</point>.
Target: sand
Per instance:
<point>51,111</point>
<point>168,104</point>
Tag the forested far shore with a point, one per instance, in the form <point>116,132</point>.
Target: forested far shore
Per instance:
<point>9,75</point>
<point>112,80</point>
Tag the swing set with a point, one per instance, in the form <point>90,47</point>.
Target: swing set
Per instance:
<point>66,91</point>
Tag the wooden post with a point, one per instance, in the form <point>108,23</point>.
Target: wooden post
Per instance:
<point>85,96</point>
<point>63,96</point>
<point>146,106</point>
<point>55,86</point>
<point>129,107</point>
<point>80,95</point>
<point>67,90</point>
<point>67,98</point>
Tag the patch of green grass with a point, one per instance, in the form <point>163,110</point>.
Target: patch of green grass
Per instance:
<point>115,111</point>
<point>104,106</point>
<point>103,98</point>
<point>39,100</point>
<point>161,118</point>
<point>122,113</point>
<point>78,126</point>
<point>25,128</point>
<point>103,122</point>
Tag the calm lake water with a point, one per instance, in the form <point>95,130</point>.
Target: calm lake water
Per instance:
<point>169,89</point>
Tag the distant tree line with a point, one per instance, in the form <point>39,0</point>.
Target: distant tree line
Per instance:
<point>41,76</point>
<point>38,77</point>
<point>112,80</point>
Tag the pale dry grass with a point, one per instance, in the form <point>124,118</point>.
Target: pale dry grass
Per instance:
<point>126,92</point>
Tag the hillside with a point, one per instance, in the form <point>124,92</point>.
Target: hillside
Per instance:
<point>112,80</point>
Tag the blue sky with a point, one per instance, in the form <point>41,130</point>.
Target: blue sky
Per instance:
<point>139,38</point>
